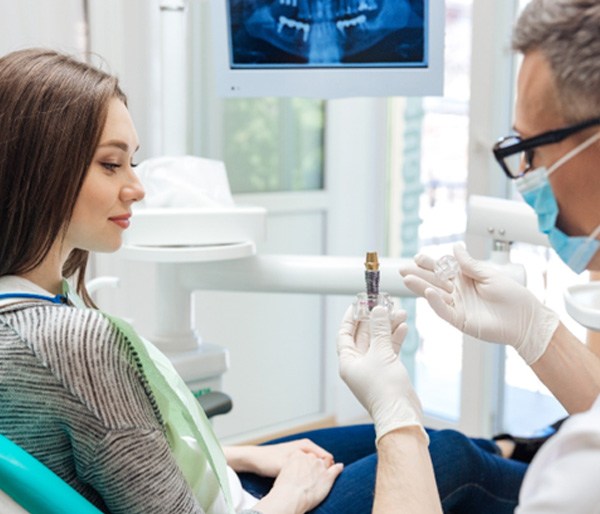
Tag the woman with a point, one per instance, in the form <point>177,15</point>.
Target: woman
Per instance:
<point>73,390</point>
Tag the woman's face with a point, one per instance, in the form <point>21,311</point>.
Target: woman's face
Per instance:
<point>110,187</point>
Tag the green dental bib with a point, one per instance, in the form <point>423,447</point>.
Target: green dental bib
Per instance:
<point>191,438</point>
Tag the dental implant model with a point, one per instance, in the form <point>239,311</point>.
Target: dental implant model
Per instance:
<point>367,301</point>
<point>372,278</point>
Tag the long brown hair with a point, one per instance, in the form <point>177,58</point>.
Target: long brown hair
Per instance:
<point>52,111</point>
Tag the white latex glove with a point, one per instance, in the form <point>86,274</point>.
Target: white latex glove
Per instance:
<point>485,303</point>
<point>369,364</point>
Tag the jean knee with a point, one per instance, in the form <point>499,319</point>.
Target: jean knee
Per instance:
<point>452,450</point>
<point>451,438</point>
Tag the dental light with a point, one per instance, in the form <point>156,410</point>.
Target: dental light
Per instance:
<point>504,221</point>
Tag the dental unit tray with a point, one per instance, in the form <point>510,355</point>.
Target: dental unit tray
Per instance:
<point>582,303</point>
<point>172,227</point>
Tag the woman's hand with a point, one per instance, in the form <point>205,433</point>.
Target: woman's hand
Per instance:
<point>269,460</point>
<point>303,483</point>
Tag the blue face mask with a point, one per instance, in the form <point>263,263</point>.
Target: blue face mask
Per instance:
<point>575,251</point>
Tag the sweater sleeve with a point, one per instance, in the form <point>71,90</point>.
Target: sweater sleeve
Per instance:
<point>118,442</point>
<point>135,473</point>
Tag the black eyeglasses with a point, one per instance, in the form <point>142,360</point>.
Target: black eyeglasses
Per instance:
<point>512,152</point>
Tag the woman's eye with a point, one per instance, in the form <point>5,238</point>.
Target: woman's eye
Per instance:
<point>111,166</point>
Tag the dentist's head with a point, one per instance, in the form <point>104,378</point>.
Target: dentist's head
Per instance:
<point>58,116</point>
<point>555,154</point>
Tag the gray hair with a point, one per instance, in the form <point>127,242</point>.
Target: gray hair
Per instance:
<point>567,32</point>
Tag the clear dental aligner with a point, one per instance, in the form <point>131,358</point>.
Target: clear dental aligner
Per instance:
<point>366,302</point>
<point>446,267</point>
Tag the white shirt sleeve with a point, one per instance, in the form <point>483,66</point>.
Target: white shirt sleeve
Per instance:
<point>565,475</point>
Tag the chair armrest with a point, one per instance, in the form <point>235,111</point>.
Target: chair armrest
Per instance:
<point>215,403</point>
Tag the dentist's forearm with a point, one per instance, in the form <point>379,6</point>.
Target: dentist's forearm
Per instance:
<point>405,480</point>
<point>570,370</point>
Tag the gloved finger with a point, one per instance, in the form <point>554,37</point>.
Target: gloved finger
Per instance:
<point>398,316</point>
<point>426,275</point>
<point>470,267</point>
<point>346,332</point>
<point>421,263</point>
<point>425,261</point>
<point>418,286</point>
<point>398,336</point>
<point>348,325</point>
<point>347,355</point>
<point>441,307</point>
<point>381,329</point>
<point>362,337</point>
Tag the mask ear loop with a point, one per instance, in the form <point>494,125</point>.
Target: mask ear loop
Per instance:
<point>582,249</point>
<point>578,149</point>
<point>595,233</point>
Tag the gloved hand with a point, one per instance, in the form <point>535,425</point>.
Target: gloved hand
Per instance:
<point>369,364</point>
<point>485,303</point>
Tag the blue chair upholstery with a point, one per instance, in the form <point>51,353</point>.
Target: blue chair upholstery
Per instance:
<point>34,487</point>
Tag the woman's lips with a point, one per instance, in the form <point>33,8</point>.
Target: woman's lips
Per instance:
<point>122,221</point>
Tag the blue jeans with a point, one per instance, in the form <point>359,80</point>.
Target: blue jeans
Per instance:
<point>471,475</point>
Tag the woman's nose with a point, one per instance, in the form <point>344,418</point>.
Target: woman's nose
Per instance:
<point>133,191</point>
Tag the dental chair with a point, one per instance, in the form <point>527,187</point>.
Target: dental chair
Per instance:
<point>35,488</point>
<point>215,403</point>
<point>30,487</point>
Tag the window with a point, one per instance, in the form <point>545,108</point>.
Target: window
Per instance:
<point>435,195</point>
<point>267,144</point>
<point>547,278</point>
<point>273,144</point>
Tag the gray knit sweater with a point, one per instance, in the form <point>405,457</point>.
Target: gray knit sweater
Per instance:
<point>72,395</point>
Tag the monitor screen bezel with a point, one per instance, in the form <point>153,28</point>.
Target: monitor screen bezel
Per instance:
<point>333,82</point>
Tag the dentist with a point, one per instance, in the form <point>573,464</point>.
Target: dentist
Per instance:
<point>554,158</point>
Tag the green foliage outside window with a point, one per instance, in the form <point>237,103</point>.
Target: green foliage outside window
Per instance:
<point>274,144</point>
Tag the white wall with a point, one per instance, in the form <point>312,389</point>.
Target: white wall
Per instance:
<point>58,24</point>
<point>125,40</point>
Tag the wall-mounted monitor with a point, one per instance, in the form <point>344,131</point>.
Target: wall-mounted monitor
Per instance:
<point>328,48</point>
